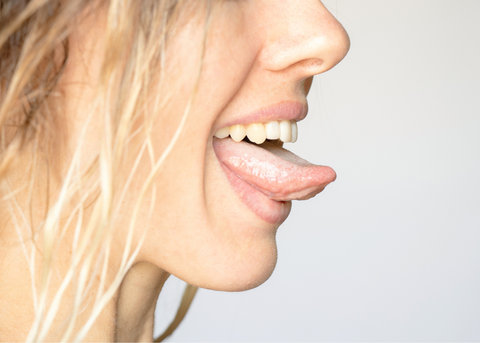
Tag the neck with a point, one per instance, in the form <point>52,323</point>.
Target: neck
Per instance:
<point>129,316</point>
<point>136,303</point>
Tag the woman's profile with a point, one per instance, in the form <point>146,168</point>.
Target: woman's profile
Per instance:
<point>142,139</point>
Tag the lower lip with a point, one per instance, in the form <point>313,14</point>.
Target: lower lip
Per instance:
<point>271,211</point>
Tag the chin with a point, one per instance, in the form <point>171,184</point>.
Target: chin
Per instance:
<point>247,278</point>
<point>234,273</point>
<point>252,277</point>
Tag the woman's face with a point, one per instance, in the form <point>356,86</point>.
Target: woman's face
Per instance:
<point>219,202</point>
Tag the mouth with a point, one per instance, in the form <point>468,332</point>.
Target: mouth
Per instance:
<point>265,175</point>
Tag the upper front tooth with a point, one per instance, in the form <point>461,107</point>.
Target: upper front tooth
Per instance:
<point>222,133</point>
<point>272,129</point>
<point>294,131</point>
<point>256,133</point>
<point>237,132</point>
<point>285,131</point>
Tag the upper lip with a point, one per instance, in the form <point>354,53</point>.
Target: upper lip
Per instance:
<point>285,110</point>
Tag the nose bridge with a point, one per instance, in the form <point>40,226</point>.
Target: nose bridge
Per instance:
<point>303,31</point>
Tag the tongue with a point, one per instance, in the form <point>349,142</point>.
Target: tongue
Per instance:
<point>274,171</point>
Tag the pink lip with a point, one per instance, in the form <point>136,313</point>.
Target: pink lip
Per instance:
<point>285,110</point>
<point>271,211</point>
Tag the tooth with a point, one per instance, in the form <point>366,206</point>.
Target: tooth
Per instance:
<point>222,133</point>
<point>256,133</point>
<point>294,131</point>
<point>285,131</point>
<point>237,132</point>
<point>272,129</point>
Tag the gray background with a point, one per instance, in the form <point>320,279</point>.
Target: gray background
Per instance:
<point>391,250</point>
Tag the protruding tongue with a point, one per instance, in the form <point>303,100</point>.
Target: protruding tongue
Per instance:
<point>274,171</point>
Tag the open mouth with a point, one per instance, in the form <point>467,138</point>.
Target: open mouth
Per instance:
<point>266,165</point>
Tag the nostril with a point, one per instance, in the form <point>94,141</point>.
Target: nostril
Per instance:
<point>309,66</point>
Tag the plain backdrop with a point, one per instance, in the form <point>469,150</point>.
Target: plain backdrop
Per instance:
<point>391,250</point>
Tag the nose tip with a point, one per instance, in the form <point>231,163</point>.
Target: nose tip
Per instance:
<point>304,35</point>
<point>334,44</point>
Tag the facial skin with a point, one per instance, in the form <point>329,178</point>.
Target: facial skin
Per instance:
<point>259,53</point>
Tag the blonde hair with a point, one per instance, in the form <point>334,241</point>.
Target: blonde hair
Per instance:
<point>34,50</point>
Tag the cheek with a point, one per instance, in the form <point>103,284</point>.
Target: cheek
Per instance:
<point>195,230</point>
<point>230,55</point>
<point>225,71</point>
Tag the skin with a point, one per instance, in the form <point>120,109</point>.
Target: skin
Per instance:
<point>259,53</point>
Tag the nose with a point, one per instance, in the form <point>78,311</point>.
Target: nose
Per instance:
<point>302,36</point>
